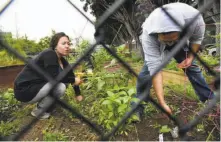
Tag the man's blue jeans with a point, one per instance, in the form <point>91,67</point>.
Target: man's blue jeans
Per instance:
<point>143,86</point>
<point>193,72</point>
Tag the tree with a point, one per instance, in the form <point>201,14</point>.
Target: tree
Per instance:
<point>121,27</point>
<point>45,42</point>
<point>131,15</point>
<point>122,17</point>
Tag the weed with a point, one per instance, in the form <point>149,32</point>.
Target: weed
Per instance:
<point>54,136</point>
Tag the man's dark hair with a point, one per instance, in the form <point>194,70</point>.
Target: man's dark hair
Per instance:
<point>168,32</point>
<point>55,38</point>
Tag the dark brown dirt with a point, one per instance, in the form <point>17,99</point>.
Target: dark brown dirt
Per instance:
<point>118,67</point>
<point>8,75</point>
<point>72,128</point>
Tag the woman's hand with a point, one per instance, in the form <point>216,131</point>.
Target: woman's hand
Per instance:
<point>78,81</point>
<point>79,98</point>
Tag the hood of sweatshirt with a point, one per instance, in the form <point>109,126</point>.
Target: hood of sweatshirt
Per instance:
<point>159,22</point>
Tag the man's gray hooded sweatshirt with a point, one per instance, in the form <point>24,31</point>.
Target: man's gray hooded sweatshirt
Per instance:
<point>159,22</point>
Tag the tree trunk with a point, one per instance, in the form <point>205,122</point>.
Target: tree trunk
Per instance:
<point>216,9</point>
<point>216,20</point>
<point>218,39</point>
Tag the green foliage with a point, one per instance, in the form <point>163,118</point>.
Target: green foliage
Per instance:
<point>110,109</point>
<point>18,44</point>
<point>23,46</point>
<point>120,48</point>
<point>8,97</point>
<point>54,136</point>
<point>172,65</point>
<point>8,104</point>
<point>150,109</point>
<point>164,129</point>
<point>102,81</point>
<point>135,58</point>
<point>210,60</point>
<point>7,59</point>
<point>112,99</point>
<point>43,44</point>
<point>156,125</point>
<point>216,37</point>
<point>70,98</point>
<point>83,45</point>
<point>8,128</point>
<point>187,89</point>
<point>69,95</point>
<point>10,59</point>
<point>50,133</point>
<point>10,108</point>
<point>106,98</point>
<point>200,128</point>
<point>100,57</point>
<point>80,49</point>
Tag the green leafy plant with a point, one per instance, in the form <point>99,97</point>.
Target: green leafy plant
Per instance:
<point>156,125</point>
<point>8,96</point>
<point>210,60</point>
<point>109,99</point>
<point>54,136</point>
<point>149,109</point>
<point>200,128</point>
<point>165,129</point>
<point>8,128</point>
<point>100,82</point>
<point>70,98</point>
<point>8,104</point>
<point>111,108</point>
<point>100,57</point>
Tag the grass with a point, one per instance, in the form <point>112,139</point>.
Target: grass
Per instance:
<point>187,91</point>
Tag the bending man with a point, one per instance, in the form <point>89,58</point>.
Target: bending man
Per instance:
<point>160,34</point>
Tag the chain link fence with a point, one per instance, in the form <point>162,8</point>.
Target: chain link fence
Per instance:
<point>99,36</point>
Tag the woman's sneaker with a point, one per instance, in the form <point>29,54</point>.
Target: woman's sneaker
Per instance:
<point>35,112</point>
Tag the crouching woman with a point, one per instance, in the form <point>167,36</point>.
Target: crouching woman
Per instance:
<point>30,87</point>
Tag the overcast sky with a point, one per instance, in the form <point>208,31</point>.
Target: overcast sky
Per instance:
<point>36,18</point>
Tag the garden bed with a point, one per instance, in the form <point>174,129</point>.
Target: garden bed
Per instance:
<point>63,126</point>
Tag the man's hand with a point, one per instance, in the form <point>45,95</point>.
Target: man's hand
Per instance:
<point>188,61</point>
<point>167,108</point>
<point>185,63</point>
<point>79,98</point>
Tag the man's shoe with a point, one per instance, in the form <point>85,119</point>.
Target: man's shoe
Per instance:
<point>35,112</point>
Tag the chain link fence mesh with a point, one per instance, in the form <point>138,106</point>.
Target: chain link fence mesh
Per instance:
<point>99,36</point>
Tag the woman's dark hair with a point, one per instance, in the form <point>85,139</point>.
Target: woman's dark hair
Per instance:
<point>55,38</point>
